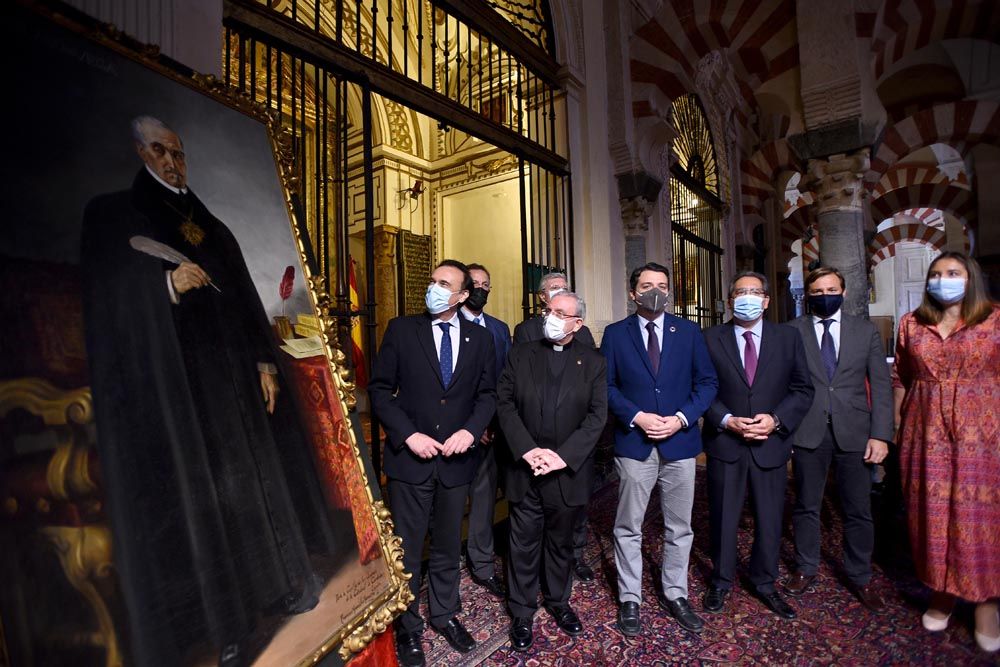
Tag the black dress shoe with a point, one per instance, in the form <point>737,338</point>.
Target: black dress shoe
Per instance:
<point>521,635</point>
<point>457,636</point>
<point>715,599</point>
<point>628,619</point>
<point>583,572</point>
<point>681,610</point>
<point>567,620</point>
<point>408,649</point>
<point>777,604</point>
<point>492,585</point>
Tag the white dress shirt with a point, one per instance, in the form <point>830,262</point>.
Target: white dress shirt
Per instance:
<point>741,344</point>
<point>453,333</point>
<point>658,330</point>
<point>834,331</point>
<point>479,319</point>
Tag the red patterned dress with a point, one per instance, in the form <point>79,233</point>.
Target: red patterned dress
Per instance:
<point>950,453</point>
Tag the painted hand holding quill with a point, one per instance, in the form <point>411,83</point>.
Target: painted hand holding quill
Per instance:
<point>186,276</point>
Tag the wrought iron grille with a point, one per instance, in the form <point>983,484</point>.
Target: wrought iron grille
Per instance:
<point>695,218</point>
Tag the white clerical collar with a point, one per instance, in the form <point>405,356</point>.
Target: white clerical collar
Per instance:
<point>176,191</point>
<point>558,348</point>
<point>467,314</point>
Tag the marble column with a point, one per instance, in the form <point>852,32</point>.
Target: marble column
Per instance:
<point>839,192</point>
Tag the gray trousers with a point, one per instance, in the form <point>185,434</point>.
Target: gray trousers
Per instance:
<point>636,480</point>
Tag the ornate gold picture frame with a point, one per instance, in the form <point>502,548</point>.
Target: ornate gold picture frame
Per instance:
<point>160,501</point>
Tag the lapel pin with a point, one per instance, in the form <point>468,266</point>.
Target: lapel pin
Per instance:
<point>466,339</point>
<point>579,363</point>
<point>673,329</point>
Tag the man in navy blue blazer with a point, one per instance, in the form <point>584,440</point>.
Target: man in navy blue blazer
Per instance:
<point>479,551</point>
<point>660,382</point>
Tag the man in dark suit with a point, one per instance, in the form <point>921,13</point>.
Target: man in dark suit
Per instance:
<point>552,402</point>
<point>433,389</point>
<point>660,382</point>
<point>480,555</point>
<point>531,330</point>
<point>843,428</point>
<point>764,392</point>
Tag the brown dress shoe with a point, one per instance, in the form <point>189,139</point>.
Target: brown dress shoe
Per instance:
<point>869,597</point>
<point>798,583</point>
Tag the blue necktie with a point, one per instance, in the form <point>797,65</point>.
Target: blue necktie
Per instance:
<point>827,350</point>
<point>445,359</point>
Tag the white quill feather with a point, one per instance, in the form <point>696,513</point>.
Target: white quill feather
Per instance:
<point>162,251</point>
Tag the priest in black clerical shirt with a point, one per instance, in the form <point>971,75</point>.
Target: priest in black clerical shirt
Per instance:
<point>184,378</point>
<point>552,403</point>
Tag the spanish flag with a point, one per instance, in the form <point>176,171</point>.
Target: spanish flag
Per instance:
<point>357,352</point>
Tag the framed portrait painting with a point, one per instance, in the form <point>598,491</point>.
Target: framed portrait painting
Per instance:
<point>179,479</point>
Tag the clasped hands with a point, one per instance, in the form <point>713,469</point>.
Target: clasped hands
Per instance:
<point>657,427</point>
<point>427,447</point>
<point>543,461</point>
<point>758,427</point>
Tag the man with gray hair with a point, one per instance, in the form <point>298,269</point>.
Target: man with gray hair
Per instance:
<point>765,390</point>
<point>552,404</point>
<point>530,330</point>
<point>183,368</point>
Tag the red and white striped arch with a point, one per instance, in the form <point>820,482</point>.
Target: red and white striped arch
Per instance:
<point>883,246</point>
<point>760,173</point>
<point>961,125</point>
<point>904,26</point>
<point>758,37</point>
<point>924,215</point>
<point>958,201</point>
<point>904,175</point>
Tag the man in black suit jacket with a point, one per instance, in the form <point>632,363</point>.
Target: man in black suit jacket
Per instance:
<point>848,426</point>
<point>552,402</point>
<point>433,389</point>
<point>531,330</point>
<point>764,392</point>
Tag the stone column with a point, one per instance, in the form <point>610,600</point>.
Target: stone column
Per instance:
<point>838,186</point>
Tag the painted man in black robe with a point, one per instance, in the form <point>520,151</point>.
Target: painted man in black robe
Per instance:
<point>183,373</point>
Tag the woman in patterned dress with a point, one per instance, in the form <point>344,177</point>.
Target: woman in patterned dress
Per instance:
<point>947,391</point>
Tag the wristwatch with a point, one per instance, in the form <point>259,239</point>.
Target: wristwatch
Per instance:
<point>777,422</point>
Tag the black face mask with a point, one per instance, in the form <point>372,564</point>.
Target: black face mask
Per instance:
<point>825,305</point>
<point>477,299</point>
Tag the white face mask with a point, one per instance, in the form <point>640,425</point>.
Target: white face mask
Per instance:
<point>748,307</point>
<point>437,299</point>
<point>554,329</point>
<point>553,292</point>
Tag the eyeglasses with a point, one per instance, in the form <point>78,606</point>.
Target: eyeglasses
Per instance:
<point>558,313</point>
<point>746,291</point>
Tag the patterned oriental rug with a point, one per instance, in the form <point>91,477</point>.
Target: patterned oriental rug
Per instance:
<point>832,627</point>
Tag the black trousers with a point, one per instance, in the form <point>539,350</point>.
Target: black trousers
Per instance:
<point>854,486</point>
<point>541,525</point>
<point>412,507</point>
<point>482,507</point>
<point>727,487</point>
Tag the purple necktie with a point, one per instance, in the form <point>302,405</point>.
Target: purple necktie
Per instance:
<point>749,357</point>
<point>653,348</point>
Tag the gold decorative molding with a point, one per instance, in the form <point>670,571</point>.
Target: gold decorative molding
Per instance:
<point>85,556</point>
<point>837,182</point>
<point>56,407</point>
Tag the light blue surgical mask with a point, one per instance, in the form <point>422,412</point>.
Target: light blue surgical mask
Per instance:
<point>748,307</point>
<point>437,299</point>
<point>946,290</point>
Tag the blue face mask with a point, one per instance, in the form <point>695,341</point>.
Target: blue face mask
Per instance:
<point>946,290</point>
<point>748,307</point>
<point>437,299</point>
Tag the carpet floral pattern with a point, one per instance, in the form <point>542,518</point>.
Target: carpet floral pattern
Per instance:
<point>832,627</point>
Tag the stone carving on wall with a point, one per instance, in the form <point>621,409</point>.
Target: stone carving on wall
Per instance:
<point>837,182</point>
<point>399,126</point>
<point>635,215</point>
<point>719,95</point>
<point>832,101</point>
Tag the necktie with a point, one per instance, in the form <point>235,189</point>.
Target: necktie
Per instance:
<point>827,351</point>
<point>653,347</point>
<point>749,357</point>
<point>479,320</point>
<point>445,357</point>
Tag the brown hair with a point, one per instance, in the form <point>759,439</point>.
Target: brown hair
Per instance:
<point>816,274</point>
<point>976,304</point>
